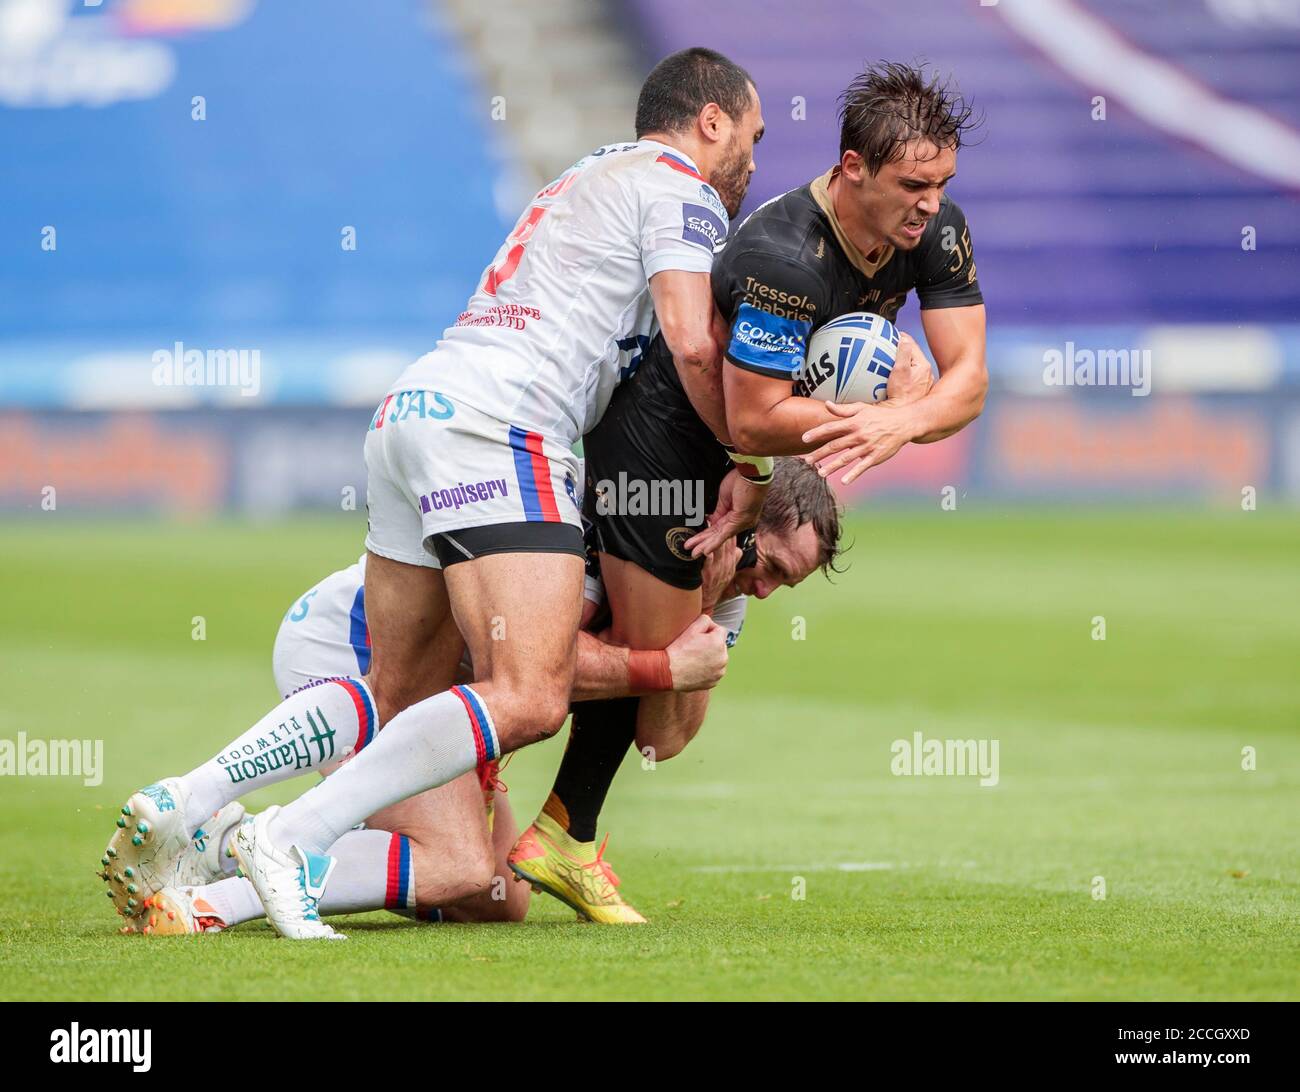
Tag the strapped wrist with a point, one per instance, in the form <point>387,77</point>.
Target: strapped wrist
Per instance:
<point>757,469</point>
<point>648,669</point>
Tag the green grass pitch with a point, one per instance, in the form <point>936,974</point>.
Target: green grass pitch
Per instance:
<point>1120,759</point>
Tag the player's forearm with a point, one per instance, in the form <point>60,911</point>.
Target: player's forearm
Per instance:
<point>952,403</point>
<point>699,367</point>
<point>777,429</point>
<point>687,317</point>
<point>600,671</point>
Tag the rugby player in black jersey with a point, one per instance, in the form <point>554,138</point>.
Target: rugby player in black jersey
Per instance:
<point>858,238</point>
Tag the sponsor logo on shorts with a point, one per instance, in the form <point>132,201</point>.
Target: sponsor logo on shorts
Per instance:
<point>462,493</point>
<point>426,405</point>
<point>702,226</point>
<point>655,497</point>
<point>675,540</point>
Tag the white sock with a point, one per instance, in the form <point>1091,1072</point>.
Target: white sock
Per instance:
<point>234,900</point>
<point>314,726</point>
<point>374,872</point>
<point>424,746</point>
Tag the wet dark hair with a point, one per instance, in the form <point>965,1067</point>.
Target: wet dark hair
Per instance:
<point>683,84</point>
<point>891,104</point>
<point>799,495</point>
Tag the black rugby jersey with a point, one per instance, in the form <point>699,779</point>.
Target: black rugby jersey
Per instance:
<point>789,269</point>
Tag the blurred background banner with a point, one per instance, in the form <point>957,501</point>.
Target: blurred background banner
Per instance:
<point>228,224</point>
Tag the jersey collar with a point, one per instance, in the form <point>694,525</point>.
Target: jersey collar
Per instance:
<point>670,153</point>
<point>820,188</point>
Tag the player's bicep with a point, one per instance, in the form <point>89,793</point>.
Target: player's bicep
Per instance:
<point>954,334</point>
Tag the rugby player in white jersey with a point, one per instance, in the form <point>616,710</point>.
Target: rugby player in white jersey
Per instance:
<point>437,856</point>
<point>473,527</point>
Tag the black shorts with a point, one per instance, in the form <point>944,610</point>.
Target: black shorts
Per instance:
<point>653,471</point>
<point>529,537</point>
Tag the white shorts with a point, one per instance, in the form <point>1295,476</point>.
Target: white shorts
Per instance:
<point>434,466</point>
<point>324,634</point>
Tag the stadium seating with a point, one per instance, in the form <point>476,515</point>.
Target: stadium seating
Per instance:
<point>1075,218</point>
<point>231,227</point>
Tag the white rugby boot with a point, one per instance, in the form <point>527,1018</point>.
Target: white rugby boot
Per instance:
<point>289,884</point>
<point>141,856</point>
<point>200,863</point>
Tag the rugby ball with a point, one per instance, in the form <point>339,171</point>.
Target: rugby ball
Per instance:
<point>849,359</point>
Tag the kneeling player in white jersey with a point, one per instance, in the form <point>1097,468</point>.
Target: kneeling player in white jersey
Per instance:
<point>473,529</point>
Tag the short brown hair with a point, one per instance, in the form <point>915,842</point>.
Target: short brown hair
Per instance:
<point>891,104</point>
<point>799,495</point>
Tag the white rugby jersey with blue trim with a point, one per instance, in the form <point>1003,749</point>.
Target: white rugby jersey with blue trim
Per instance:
<point>564,310</point>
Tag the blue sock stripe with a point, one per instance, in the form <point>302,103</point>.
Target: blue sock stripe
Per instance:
<point>404,873</point>
<point>366,719</point>
<point>482,723</point>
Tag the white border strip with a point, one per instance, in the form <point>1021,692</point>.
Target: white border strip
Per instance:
<point>1158,92</point>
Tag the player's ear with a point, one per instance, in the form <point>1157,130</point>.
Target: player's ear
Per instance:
<point>711,121</point>
<point>853,166</point>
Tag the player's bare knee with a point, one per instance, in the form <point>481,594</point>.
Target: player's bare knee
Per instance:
<point>668,737</point>
<point>551,716</point>
<point>479,865</point>
<point>467,873</point>
<point>661,746</point>
<point>529,714</point>
<point>504,901</point>
<point>476,880</point>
